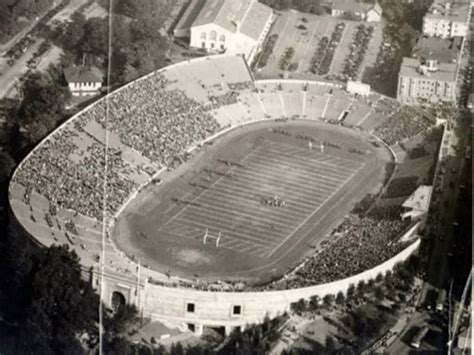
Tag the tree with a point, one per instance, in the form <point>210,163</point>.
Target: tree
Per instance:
<point>360,324</point>
<point>379,277</point>
<point>328,300</point>
<point>330,345</point>
<point>340,299</point>
<point>361,288</point>
<point>350,292</point>
<point>95,39</point>
<point>314,303</point>
<point>74,32</point>
<point>299,307</point>
<point>7,164</point>
<point>378,292</point>
<point>42,105</point>
<point>61,296</point>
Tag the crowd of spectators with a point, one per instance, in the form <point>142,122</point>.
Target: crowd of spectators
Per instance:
<point>358,244</point>
<point>406,122</point>
<point>402,187</point>
<point>159,123</point>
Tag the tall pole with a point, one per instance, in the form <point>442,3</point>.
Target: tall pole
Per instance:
<point>104,187</point>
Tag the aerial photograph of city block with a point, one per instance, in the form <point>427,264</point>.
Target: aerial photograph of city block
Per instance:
<point>242,177</point>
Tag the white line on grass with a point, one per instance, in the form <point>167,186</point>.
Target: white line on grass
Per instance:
<point>313,213</point>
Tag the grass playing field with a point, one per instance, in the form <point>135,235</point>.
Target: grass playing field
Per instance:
<point>227,190</point>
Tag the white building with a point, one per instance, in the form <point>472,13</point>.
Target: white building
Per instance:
<point>447,18</point>
<point>356,9</point>
<point>426,80</point>
<point>83,80</point>
<point>231,26</point>
<point>357,87</point>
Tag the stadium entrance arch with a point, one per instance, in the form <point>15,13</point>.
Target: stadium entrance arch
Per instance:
<point>118,301</point>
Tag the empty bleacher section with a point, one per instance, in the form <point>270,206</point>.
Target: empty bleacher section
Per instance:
<point>57,191</point>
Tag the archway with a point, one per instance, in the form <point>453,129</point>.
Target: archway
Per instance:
<point>118,301</point>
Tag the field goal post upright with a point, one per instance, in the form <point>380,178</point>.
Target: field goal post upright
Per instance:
<point>207,237</point>
<point>218,239</point>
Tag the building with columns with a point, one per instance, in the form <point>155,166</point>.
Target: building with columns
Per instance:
<point>234,27</point>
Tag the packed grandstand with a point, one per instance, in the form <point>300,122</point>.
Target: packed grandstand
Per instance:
<point>154,122</point>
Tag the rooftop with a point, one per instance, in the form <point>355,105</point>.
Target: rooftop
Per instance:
<point>420,199</point>
<point>446,71</point>
<point>83,74</point>
<point>449,10</point>
<point>442,50</point>
<point>224,13</point>
<point>192,11</point>
<point>355,6</point>
<point>245,16</point>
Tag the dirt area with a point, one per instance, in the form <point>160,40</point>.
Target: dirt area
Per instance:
<point>224,189</point>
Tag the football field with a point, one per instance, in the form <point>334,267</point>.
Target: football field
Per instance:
<point>234,205</point>
<point>252,203</point>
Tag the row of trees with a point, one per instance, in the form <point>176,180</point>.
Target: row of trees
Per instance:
<point>136,45</point>
<point>15,14</point>
<point>404,23</point>
<point>358,299</point>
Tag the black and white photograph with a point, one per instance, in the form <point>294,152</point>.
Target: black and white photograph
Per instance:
<point>236,177</point>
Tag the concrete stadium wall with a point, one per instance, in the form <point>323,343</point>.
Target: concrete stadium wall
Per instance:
<point>214,309</point>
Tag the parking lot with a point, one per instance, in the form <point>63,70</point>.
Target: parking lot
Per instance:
<point>303,32</point>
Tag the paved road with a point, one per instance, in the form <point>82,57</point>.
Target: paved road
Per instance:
<point>9,75</point>
<point>439,271</point>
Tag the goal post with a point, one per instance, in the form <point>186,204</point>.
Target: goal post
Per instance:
<point>214,239</point>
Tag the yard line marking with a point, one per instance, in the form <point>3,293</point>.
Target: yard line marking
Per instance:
<point>316,169</point>
<point>300,195</point>
<point>202,192</point>
<point>331,168</point>
<point>294,210</point>
<point>224,217</point>
<point>253,197</point>
<point>312,214</point>
<point>229,233</point>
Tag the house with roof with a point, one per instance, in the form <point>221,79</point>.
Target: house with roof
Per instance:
<point>83,80</point>
<point>234,27</point>
<point>363,10</point>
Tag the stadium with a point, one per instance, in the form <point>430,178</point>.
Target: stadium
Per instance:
<point>226,198</point>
